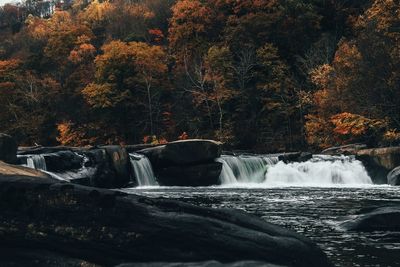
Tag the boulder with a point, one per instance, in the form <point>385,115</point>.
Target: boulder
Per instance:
<point>108,227</point>
<point>379,162</point>
<point>184,152</point>
<point>295,157</point>
<point>350,149</point>
<point>201,264</point>
<point>63,161</point>
<point>46,150</point>
<point>393,177</point>
<point>380,219</point>
<point>15,170</point>
<point>8,148</point>
<point>192,175</point>
<point>111,166</point>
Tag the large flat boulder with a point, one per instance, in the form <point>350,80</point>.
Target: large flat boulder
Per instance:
<point>192,175</point>
<point>379,162</point>
<point>107,228</point>
<point>184,152</point>
<point>379,219</point>
<point>8,148</point>
<point>15,170</point>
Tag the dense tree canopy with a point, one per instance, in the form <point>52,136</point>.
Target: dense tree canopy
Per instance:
<point>267,75</point>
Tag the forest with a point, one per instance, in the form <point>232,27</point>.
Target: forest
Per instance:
<point>260,75</point>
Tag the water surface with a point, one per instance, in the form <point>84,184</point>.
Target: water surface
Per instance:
<point>315,212</point>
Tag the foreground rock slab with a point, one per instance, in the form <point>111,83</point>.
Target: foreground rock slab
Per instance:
<point>380,219</point>
<point>108,227</point>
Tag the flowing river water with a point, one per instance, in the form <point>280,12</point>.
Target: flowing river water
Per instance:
<point>315,212</point>
<point>312,198</point>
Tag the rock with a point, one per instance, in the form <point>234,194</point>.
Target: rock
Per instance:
<point>380,219</point>
<point>135,148</point>
<point>111,164</point>
<point>192,175</point>
<point>14,170</point>
<point>108,227</point>
<point>201,264</point>
<point>393,177</point>
<point>47,150</point>
<point>8,148</point>
<point>184,152</point>
<point>350,149</point>
<point>295,157</point>
<point>379,162</point>
<point>63,161</point>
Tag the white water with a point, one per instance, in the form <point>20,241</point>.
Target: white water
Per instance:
<point>36,162</point>
<point>319,171</point>
<point>142,170</point>
<point>244,169</point>
<point>267,171</point>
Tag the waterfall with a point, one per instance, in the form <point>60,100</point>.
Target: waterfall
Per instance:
<point>36,162</point>
<point>142,170</point>
<point>320,170</point>
<point>244,169</point>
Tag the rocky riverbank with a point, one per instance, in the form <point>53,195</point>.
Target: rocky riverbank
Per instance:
<point>50,222</point>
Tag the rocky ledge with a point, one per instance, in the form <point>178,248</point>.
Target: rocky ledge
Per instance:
<point>379,219</point>
<point>48,222</point>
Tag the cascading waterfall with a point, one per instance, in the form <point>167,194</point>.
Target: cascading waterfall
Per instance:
<point>320,170</point>
<point>244,169</point>
<point>37,162</point>
<point>142,170</point>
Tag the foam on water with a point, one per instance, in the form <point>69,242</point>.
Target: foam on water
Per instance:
<point>319,171</point>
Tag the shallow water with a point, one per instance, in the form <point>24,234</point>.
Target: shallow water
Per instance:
<point>315,212</point>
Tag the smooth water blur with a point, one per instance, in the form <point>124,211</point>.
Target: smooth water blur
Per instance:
<point>312,211</point>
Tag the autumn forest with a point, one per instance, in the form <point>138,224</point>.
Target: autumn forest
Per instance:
<point>262,75</point>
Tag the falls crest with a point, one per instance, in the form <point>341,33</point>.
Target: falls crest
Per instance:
<point>268,171</point>
<point>37,162</point>
<point>142,170</point>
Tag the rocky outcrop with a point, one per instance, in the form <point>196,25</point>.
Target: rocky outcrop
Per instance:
<point>202,264</point>
<point>294,157</point>
<point>379,162</point>
<point>192,175</point>
<point>380,219</point>
<point>8,148</point>
<point>107,227</point>
<point>350,149</point>
<point>393,177</point>
<point>184,152</point>
<point>14,170</point>
<point>186,162</point>
<point>105,167</point>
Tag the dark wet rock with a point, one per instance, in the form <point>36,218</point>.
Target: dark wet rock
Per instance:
<point>201,264</point>
<point>294,157</point>
<point>393,177</point>
<point>350,149</point>
<point>8,148</point>
<point>15,170</point>
<point>63,161</point>
<point>135,148</point>
<point>108,227</point>
<point>47,150</point>
<point>111,167</point>
<point>379,162</point>
<point>183,152</point>
<point>380,219</point>
<point>192,175</point>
